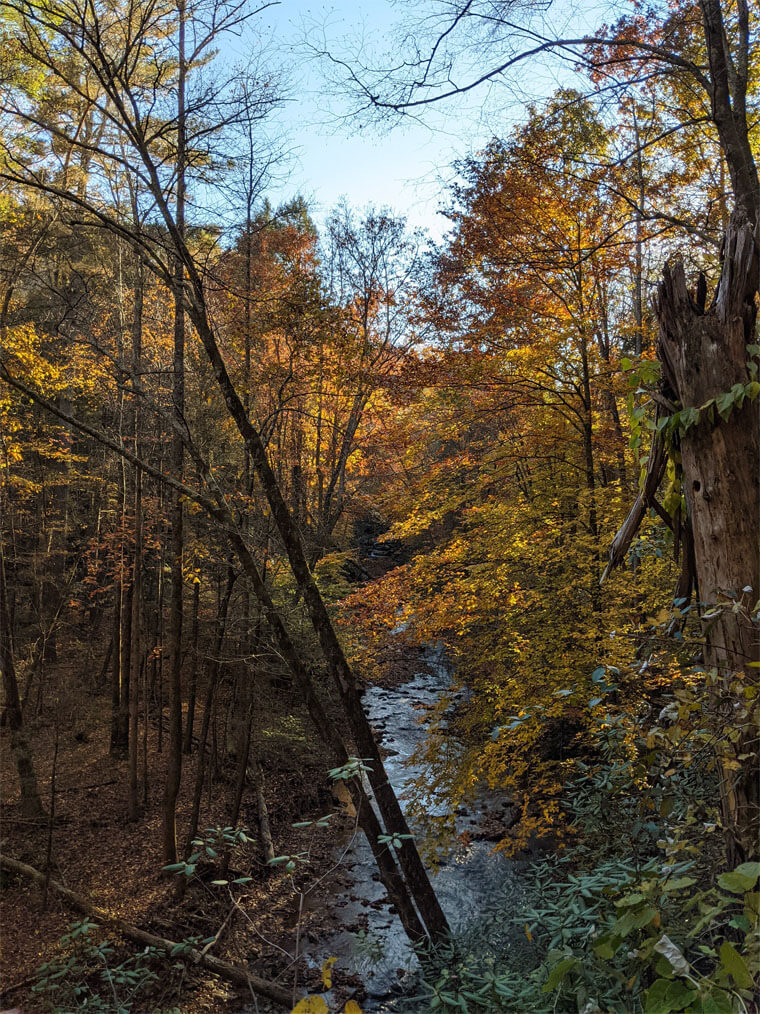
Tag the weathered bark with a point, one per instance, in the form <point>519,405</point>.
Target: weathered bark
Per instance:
<point>654,474</point>
<point>31,805</point>
<point>729,78</point>
<point>232,973</point>
<point>704,355</point>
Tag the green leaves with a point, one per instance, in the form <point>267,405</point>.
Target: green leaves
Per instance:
<point>354,767</point>
<point>717,1002</point>
<point>558,973</point>
<point>289,862</point>
<point>208,848</point>
<point>393,839</point>
<point>320,822</point>
<point>742,879</point>
<point>735,965</point>
<point>668,995</point>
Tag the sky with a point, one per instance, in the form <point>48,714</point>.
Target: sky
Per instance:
<point>405,168</point>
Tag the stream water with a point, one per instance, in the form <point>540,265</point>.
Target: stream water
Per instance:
<point>467,883</point>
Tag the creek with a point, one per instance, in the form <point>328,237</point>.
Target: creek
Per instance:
<point>467,881</point>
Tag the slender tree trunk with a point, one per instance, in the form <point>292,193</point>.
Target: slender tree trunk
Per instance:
<point>638,276</point>
<point>136,615</point>
<point>115,670</point>
<point>265,830</point>
<point>174,764</point>
<point>213,678</point>
<point>704,355</point>
<point>100,681</point>
<point>31,804</point>
<point>190,721</point>
<point>161,647</point>
<point>588,457</point>
<point>125,662</point>
<point>146,717</point>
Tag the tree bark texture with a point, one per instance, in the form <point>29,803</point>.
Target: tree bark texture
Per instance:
<point>704,355</point>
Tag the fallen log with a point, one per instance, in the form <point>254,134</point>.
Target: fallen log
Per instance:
<point>232,973</point>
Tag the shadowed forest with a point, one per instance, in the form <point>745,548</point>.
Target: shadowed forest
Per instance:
<point>379,614</point>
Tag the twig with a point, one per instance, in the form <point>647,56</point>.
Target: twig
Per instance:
<point>218,933</point>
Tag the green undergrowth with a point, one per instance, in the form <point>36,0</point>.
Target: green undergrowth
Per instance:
<point>630,918</point>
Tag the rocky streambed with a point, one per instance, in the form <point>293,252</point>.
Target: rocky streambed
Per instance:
<point>468,882</point>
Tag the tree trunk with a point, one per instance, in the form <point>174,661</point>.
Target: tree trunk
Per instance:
<point>414,871</point>
<point>115,671</point>
<point>125,664</point>
<point>187,746</point>
<point>31,805</point>
<point>213,677</point>
<point>704,355</point>
<point>174,763</point>
<point>136,601</point>
<point>265,831</point>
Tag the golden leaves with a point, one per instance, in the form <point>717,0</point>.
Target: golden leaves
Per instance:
<point>318,1005</point>
<point>311,1005</point>
<point>327,972</point>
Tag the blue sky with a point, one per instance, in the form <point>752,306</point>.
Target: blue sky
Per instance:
<point>405,168</point>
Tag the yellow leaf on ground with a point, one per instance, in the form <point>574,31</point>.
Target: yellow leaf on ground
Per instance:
<point>311,1005</point>
<point>352,1007</point>
<point>327,972</point>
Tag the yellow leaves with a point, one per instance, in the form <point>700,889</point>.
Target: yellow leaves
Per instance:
<point>79,371</point>
<point>317,1004</point>
<point>327,972</point>
<point>311,1005</point>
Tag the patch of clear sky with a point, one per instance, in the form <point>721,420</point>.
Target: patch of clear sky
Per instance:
<point>406,167</point>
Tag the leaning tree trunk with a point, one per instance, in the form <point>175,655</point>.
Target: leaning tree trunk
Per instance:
<point>706,362</point>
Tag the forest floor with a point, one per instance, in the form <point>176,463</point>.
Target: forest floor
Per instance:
<point>117,865</point>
